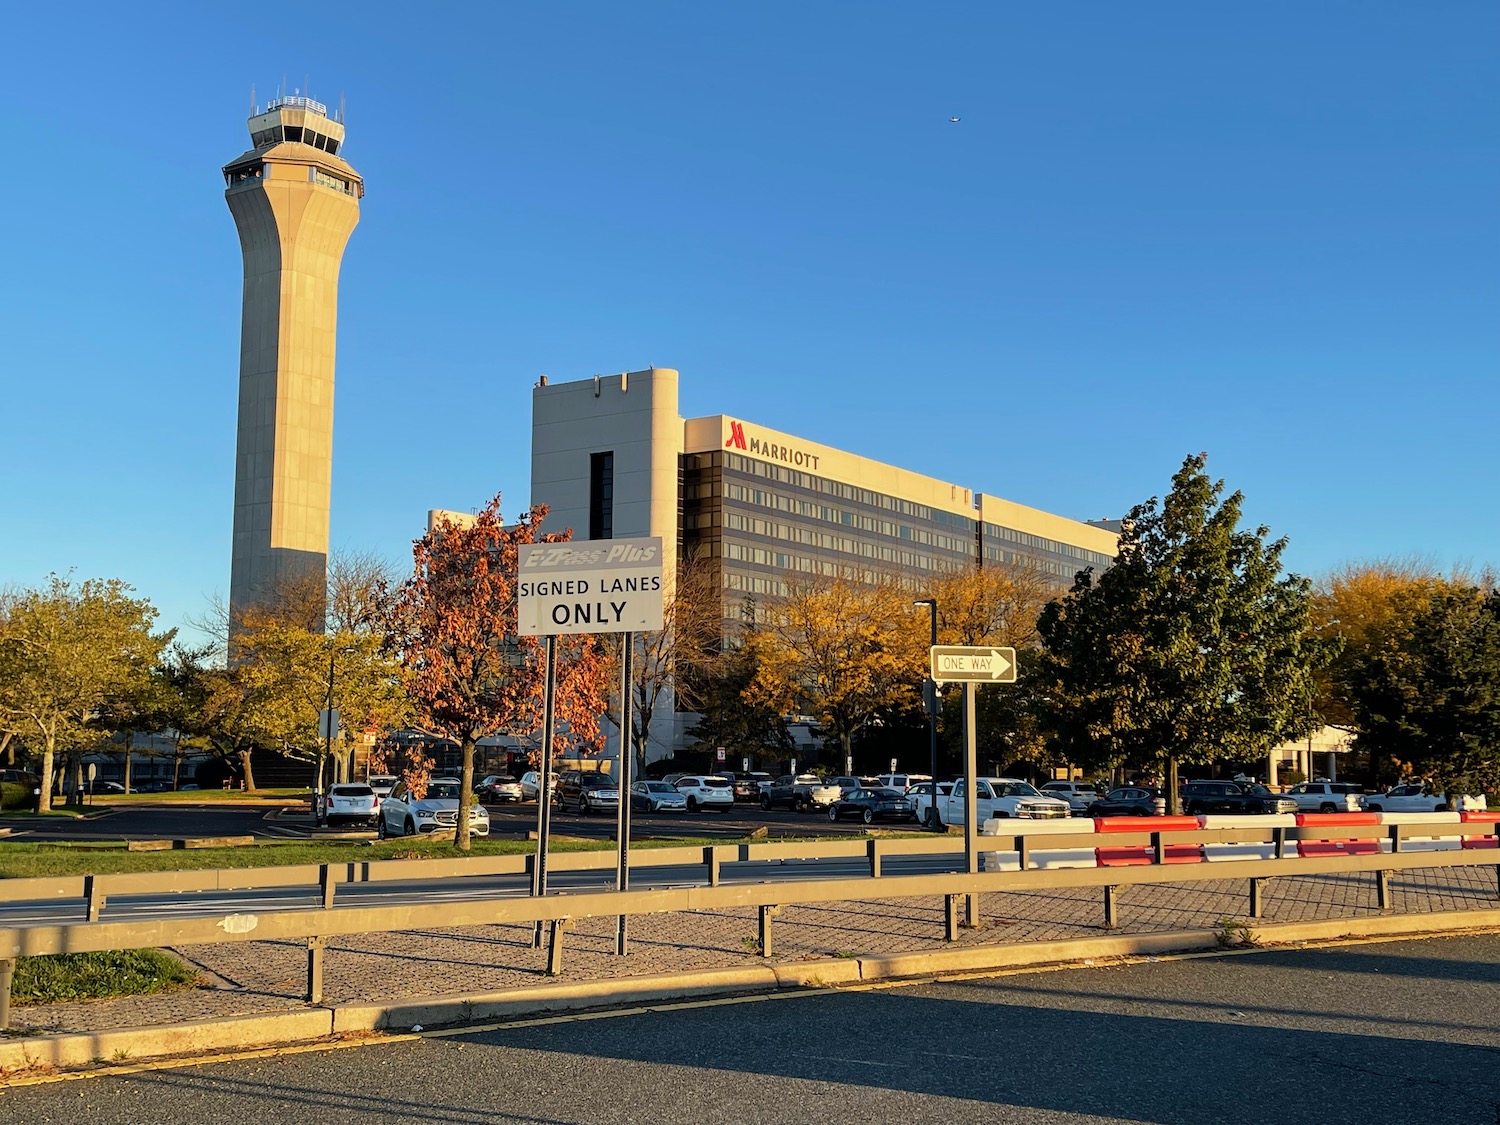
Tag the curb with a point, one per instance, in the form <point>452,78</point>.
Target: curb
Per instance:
<point>306,1025</point>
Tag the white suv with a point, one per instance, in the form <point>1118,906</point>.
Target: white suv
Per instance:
<point>706,792</point>
<point>1327,796</point>
<point>902,781</point>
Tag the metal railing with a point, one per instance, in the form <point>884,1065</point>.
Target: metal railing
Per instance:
<point>1154,864</point>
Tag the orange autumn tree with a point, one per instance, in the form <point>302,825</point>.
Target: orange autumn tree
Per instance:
<point>454,625</point>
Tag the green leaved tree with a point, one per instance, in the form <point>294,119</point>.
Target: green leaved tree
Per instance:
<point>68,653</point>
<point>1428,693</point>
<point>1194,647</point>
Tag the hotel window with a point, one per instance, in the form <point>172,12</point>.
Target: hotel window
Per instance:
<point>602,495</point>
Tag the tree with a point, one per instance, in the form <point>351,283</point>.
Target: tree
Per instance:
<point>841,649</point>
<point>453,624</point>
<point>1428,690</point>
<point>730,716</point>
<point>69,651</point>
<point>1193,647</point>
<point>663,660</point>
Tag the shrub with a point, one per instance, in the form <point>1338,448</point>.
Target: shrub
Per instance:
<point>14,795</point>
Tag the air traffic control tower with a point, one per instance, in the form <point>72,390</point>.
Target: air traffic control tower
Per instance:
<point>295,202</point>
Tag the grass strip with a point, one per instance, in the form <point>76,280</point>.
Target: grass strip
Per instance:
<point>63,977</point>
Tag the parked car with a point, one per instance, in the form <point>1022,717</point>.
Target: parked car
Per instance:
<point>1416,796</point>
<point>588,791</point>
<point>656,796</point>
<point>499,787</point>
<point>704,792</point>
<point>999,797</point>
<point>1327,796</point>
<point>1129,800</point>
<point>382,783</point>
<point>800,793</point>
<point>920,796</point>
<point>1079,794</point>
<point>111,787</point>
<point>531,782</point>
<point>871,805</point>
<point>746,785</point>
<point>350,802</point>
<point>902,781</point>
<point>1209,797</point>
<point>20,777</point>
<point>403,813</point>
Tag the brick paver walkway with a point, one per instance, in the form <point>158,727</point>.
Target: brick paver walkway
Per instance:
<point>269,976</point>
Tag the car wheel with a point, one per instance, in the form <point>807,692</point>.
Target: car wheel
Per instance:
<point>833,812</point>
<point>692,804</point>
<point>380,829</point>
<point>934,819</point>
<point>765,804</point>
<point>585,806</point>
<point>801,805</point>
<point>869,816</point>
<point>411,827</point>
<point>1192,810</point>
<point>1325,807</point>
<point>1373,808</point>
<point>727,809</point>
<point>1440,808</point>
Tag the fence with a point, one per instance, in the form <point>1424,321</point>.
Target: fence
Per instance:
<point>1013,855</point>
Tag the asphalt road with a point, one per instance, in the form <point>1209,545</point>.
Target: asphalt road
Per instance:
<point>1381,1034</point>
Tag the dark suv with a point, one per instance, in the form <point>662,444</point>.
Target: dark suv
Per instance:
<point>1208,797</point>
<point>587,791</point>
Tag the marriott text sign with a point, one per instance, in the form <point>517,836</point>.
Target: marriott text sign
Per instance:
<point>953,664</point>
<point>592,586</point>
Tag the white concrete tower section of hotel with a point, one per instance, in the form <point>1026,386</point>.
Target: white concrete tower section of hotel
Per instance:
<point>295,203</point>
<point>634,418</point>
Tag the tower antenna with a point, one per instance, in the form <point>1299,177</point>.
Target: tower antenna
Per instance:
<point>341,107</point>
<point>252,99</point>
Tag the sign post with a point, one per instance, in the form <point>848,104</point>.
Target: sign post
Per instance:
<point>589,586</point>
<point>971,665</point>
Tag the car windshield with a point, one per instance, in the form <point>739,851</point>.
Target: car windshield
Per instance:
<point>659,787</point>
<point>442,791</point>
<point>596,781</point>
<point>1015,789</point>
<point>1259,790</point>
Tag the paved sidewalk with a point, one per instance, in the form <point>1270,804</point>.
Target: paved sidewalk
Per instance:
<point>269,976</point>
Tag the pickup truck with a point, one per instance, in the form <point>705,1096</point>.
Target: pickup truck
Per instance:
<point>800,793</point>
<point>996,797</point>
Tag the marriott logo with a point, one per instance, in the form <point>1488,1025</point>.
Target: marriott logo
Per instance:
<point>769,450</point>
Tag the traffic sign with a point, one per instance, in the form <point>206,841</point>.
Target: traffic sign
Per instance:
<point>978,664</point>
<point>591,586</point>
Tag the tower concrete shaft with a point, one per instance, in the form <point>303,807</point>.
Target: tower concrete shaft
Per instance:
<point>295,202</point>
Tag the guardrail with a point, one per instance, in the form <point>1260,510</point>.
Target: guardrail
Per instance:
<point>1013,855</point>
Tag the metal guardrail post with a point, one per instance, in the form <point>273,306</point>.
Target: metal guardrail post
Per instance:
<point>950,917</point>
<point>315,947</point>
<point>1278,834</point>
<point>972,920</point>
<point>7,974</point>
<point>711,861</point>
<point>327,885</point>
<point>1111,908</point>
<point>1158,849</point>
<point>557,928</point>
<point>1023,851</point>
<point>1256,901</point>
<point>1395,835</point>
<point>766,914</point>
<point>872,848</point>
<point>94,892</point>
<point>1383,889</point>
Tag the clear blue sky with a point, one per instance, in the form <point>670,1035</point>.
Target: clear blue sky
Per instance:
<point>1268,231</point>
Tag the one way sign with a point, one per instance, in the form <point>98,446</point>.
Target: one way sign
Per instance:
<point>953,664</point>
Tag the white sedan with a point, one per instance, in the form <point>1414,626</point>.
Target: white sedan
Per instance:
<point>403,813</point>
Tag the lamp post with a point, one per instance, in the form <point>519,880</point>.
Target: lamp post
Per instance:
<point>929,697</point>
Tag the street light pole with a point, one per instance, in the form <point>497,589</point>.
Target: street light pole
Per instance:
<point>929,697</point>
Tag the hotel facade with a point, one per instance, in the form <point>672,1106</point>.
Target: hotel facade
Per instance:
<point>612,457</point>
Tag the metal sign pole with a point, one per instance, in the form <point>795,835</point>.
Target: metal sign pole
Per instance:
<point>971,801</point>
<point>544,785</point>
<point>627,763</point>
